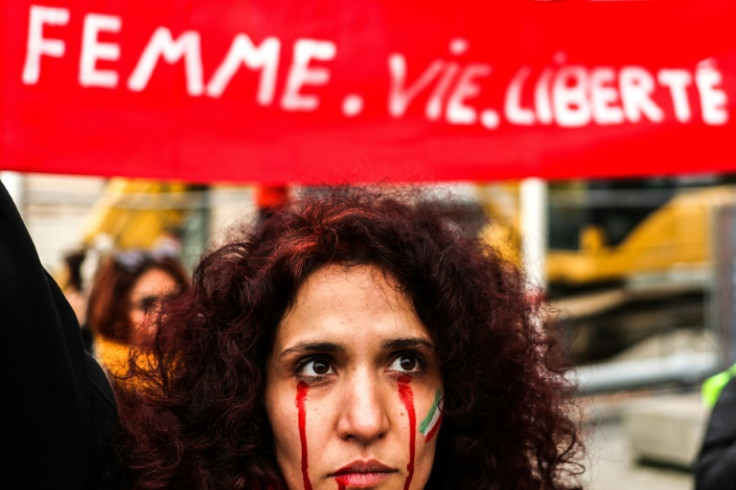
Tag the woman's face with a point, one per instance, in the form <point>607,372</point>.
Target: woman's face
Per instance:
<point>353,390</point>
<point>145,297</point>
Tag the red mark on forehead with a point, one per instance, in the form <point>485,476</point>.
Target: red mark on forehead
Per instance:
<point>407,398</point>
<point>301,396</point>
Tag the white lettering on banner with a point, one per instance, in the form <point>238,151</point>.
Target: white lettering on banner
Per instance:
<point>352,105</point>
<point>677,81</point>
<point>712,99</point>
<point>162,44</point>
<point>458,112</point>
<point>244,52</point>
<point>453,89</point>
<point>574,96</point>
<point>399,97</point>
<point>454,86</point>
<point>512,108</point>
<point>603,97</point>
<point>489,119</point>
<point>300,74</point>
<point>637,85</point>
<point>570,97</point>
<point>93,50</point>
<point>541,97</point>
<point>433,110</point>
<point>37,45</point>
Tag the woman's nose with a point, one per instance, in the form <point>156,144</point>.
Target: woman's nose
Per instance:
<point>364,409</point>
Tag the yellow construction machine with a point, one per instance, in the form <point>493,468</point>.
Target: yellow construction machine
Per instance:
<point>626,259</point>
<point>136,213</point>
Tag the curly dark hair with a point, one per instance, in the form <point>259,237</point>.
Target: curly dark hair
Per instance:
<point>108,304</point>
<point>201,421</point>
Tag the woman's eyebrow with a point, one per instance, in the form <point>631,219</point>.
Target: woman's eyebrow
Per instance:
<point>314,347</point>
<point>407,343</point>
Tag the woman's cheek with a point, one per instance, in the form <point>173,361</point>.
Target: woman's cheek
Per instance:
<point>426,427</point>
<point>430,424</point>
<point>302,391</point>
<point>406,395</point>
<point>283,414</point>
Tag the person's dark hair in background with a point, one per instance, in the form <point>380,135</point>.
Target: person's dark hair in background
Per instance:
<point>506,406</point>
<point>109,303</point>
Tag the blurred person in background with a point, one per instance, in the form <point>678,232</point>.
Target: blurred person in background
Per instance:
<point>74,288</point>
<point>127,293</point>
<point>715,468</point>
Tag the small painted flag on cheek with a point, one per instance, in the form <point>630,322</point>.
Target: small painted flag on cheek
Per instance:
<point>431,423</point>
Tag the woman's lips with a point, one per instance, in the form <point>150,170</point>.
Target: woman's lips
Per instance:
<point>362,474</point>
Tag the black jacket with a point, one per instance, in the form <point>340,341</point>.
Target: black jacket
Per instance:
<point>716,465</point>
<point>58,411</point>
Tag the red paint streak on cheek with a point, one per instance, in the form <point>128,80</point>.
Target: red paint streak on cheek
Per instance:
<point>407,398</point>
<point>341,487</point>
<point>301,396</point>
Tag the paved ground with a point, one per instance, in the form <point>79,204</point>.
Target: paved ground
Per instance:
<point>610,466</point>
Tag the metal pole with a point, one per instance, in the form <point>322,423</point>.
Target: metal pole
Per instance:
<point>686,368</point>
<point>533,196</point>
<point>724,245</point>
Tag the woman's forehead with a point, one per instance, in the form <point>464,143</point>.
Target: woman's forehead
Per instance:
<point>154,280</point>
<point>348,305</point>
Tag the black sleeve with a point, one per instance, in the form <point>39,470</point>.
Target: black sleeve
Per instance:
<point>58,410</point>
<point>716,465</point>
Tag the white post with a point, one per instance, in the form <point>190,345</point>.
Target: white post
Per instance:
<point>534,232</point>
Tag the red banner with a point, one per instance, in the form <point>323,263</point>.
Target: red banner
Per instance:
<point>357,91</point>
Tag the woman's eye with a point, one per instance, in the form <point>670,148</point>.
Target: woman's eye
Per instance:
<point>316,367</point>
<point>407,363</point>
